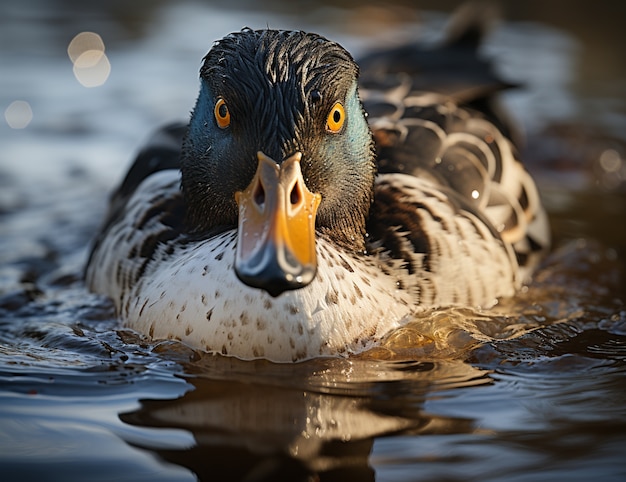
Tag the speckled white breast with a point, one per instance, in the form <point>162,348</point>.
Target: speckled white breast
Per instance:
<point>194,298</point>
<point>187,289</point>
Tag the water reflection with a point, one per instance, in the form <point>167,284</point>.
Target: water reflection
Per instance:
<point>262,421</point>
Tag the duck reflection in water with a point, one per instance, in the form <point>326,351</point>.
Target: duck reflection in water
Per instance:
<point>318,420</point>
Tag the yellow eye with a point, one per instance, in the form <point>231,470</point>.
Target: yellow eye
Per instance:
<point>336,118</point>
<point>222,114</point>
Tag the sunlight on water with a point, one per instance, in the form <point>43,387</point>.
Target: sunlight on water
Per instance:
<point>613,169</point>
<point>18,114</point>
<point>530,389</point>
<point>91,65</point>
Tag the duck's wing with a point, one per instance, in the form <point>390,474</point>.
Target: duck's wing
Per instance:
<point>160,153</point>
<point>453,68</point>
<point>455,139</point>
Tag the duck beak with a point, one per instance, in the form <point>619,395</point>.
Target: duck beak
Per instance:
<point>276,234</point>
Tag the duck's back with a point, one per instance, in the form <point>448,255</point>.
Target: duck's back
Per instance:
<point>435,115</point>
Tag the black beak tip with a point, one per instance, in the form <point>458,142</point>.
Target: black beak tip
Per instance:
<point>275,281</point>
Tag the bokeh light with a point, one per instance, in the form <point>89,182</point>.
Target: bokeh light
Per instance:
<point>91,65</point>
<point>18,114</point>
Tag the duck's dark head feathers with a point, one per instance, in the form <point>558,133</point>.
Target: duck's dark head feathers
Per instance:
<point>278,89</point>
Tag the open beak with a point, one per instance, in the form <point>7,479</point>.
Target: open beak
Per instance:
<point>276,237</point>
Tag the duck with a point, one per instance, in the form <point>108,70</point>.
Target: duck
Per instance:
<point>312,205</point>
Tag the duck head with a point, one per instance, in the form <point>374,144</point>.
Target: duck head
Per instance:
<point>278,146</point>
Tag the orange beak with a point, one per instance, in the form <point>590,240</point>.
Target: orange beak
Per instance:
<point>276,238</point>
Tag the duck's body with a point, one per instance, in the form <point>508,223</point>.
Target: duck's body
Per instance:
<point>451,218</point>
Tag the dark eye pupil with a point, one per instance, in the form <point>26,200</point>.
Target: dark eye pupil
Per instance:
<point>336,116</point>
<point>223,111</point>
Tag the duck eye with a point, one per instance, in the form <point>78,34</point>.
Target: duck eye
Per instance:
<point>222,114</point>
<point>336,118</point>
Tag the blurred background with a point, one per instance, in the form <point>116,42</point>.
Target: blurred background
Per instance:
<point>568,55</point>
<point>84,83</point>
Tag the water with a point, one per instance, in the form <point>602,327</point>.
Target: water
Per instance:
<point>531,390</point>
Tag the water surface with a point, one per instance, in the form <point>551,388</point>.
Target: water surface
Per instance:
<point>533,389</point>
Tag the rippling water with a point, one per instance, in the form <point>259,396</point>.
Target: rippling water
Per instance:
<point>533,389</point>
